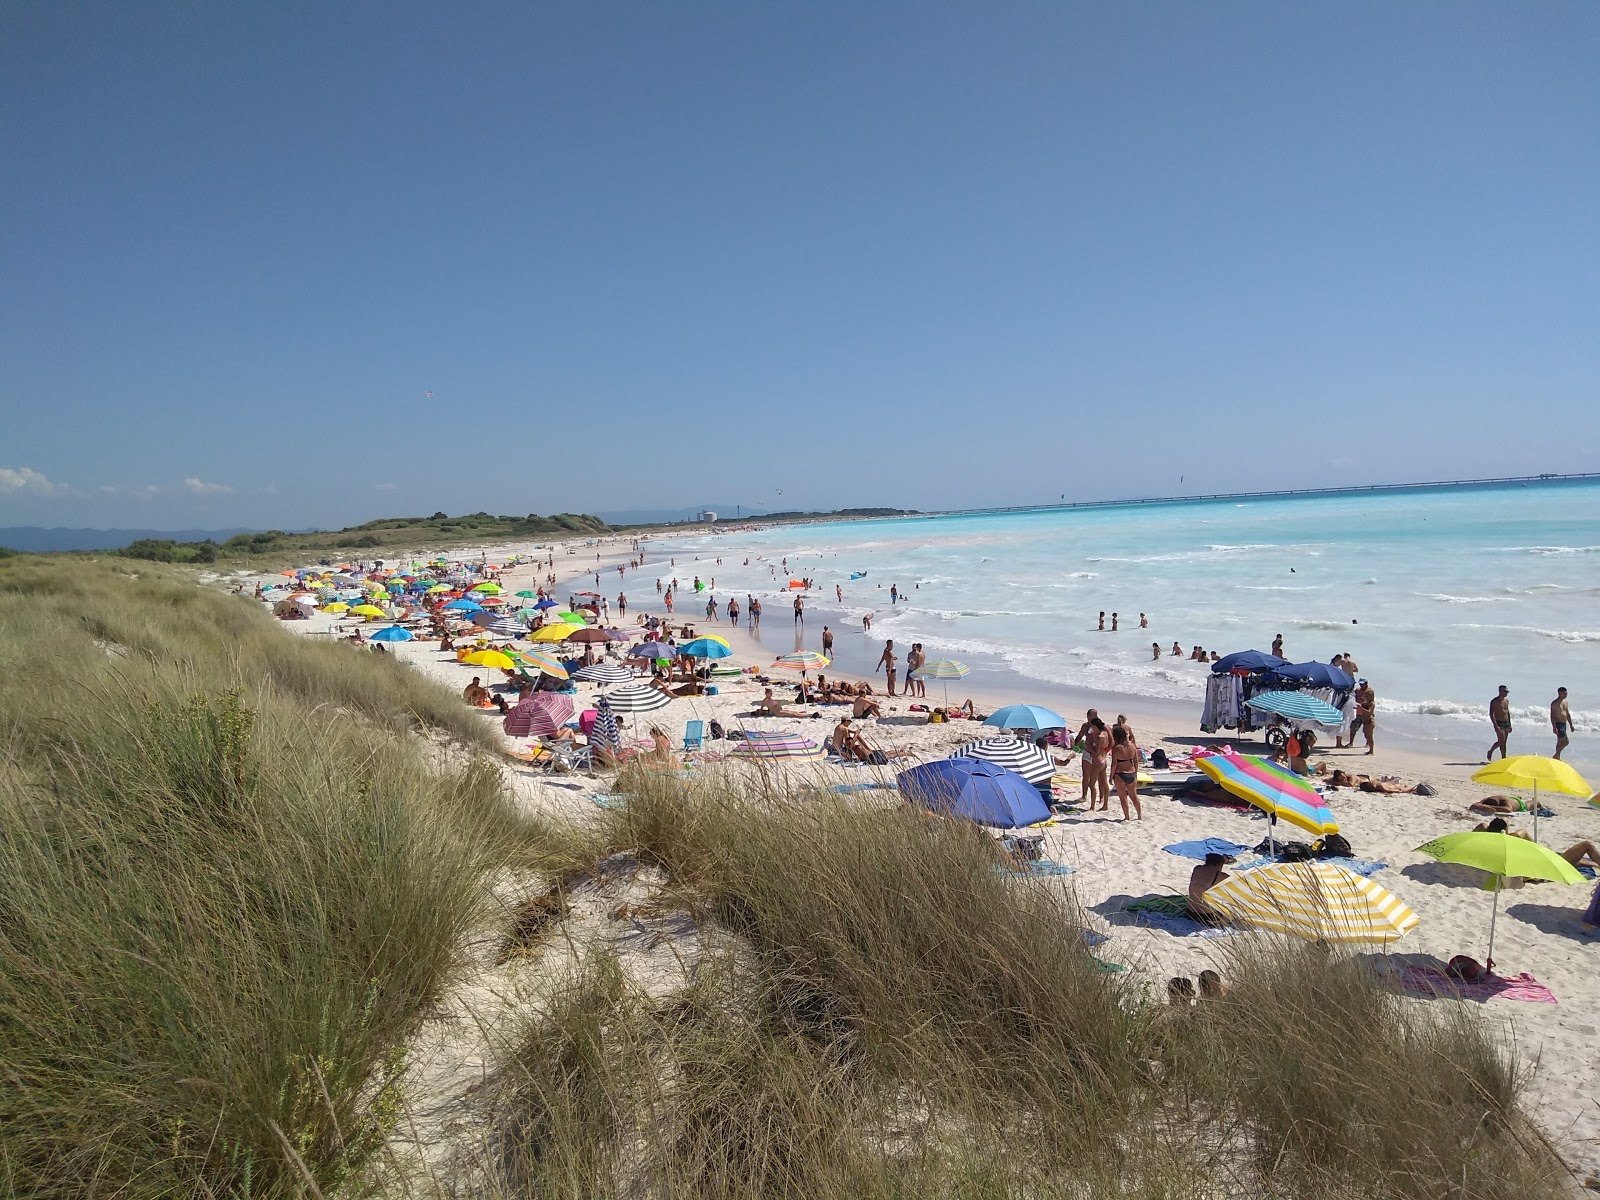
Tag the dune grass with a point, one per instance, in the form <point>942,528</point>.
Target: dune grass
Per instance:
<point>228,889</point>
<point>899,1017</point>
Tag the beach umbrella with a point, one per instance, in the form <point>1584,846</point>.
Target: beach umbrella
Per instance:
<point>538,714</point>
<point>367,610</point>
<point>1026,716</point>
<point>1276,792</point>
<point>766,747</point>
<point>1297,705</point>
<point>464,605</point>
<point>392,634</point>
<point>1315,674</point>
<point>437,588</point>
<point>714,637</point>
<point>488,600</point>
<point>485,618</point>
<point>653,650</point>
<point>637,698</point>
<point>545,604</point>
<point>505,627</point>
<point>803,661</point>
<point>554,633</point>
<point>605,673</point>
<point>605,732</point>
<point>945,669</point>
<point>488,589</point>
<point>1026,759</point>
<point>588,635</point>
<point>979,791</point>
<point>705,648</point>
<point>1247,662</point>
<point>337,607</point>
<point>1501,854</point>
<point>1317,901</point>
<point>536,661</point>
<point>526,595</point>
<point>1534,771</point>
<point>490,658</point>
<point>572,618</point>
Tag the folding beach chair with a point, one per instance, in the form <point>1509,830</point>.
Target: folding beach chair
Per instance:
<point>694,735</point>
<point>564,757</point>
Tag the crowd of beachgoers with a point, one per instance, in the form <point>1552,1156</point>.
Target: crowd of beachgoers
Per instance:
<point>1160,833</point>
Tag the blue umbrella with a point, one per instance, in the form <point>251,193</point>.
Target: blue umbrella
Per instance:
<point>545,604</point>
<point>705,648</point>
<point>465,605</point>
<point>980,791</point>
<point>1026,716</point>
<point>392,634</point>
<point>1297,705</point>
<point>653,650</point>
<point>1316,674</point>
<point>1247,660</point>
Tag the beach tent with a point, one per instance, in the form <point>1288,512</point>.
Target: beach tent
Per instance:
<point>979,791</point>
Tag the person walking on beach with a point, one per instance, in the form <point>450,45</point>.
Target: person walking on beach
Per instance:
<point>1560,721</point>
<point>799,610</point>
<point>886,660</point>
<point>1500,718</point>
<point>1366,713</point>
<point>827,641</point>
<point>914,662</point>
<point>733,610</point>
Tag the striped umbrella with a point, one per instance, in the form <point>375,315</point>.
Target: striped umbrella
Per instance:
<point>1277,792</point>
<point>760,746</point>
<point>605,673</point>
<point>536,661</point>
<point>539,714</point>
<point>803,661</point>
<point>946,669</point>
<point>1313,900</point>
<point>605,731</point>
<point>1297,705</point>
<point>1024,758</point>
<point>637,698</point>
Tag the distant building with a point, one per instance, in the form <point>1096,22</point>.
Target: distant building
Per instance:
<point>708,516</point>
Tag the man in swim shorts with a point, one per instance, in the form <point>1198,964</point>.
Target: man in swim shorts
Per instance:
<point>1500,718</point>
<point>1560,721</point>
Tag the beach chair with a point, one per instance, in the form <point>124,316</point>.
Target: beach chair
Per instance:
<point>694,735</point>
<point>564,757</point>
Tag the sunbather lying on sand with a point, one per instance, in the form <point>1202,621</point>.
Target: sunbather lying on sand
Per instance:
<point>1498,804</point>
<point>771,706</point>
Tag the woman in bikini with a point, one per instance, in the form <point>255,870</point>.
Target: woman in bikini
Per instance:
<point>1125,770</point>
<point>1096,750</point>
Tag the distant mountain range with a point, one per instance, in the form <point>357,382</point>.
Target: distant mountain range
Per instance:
<point>31,539</point>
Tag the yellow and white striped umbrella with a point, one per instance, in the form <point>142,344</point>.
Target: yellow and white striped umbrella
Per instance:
<point>1314,900</point>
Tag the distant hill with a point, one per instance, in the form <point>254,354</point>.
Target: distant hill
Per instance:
<point>32,539</point>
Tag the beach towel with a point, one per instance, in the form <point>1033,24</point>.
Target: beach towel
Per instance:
<point>846,788</point>
<point>1204,846</point>
<point>1433,981</point>
<point>1356,866</point>
<point>610,799</point>
<point>1158,904</point>
<point>1180,925</point>
<point>1093,937</point>
<point>1037,866</point>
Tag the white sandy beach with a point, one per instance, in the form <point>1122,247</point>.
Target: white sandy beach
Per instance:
<point>1539,929</point>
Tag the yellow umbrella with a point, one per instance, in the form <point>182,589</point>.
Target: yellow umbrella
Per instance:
<point>340,607</point>
<point>436,588</point>
<point>554,633</point>
<point>367,610</point>
<point>489,658</point>
<point>1317,901</point>
<point>1534,771</point>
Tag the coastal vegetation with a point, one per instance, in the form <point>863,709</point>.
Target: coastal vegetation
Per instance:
<point>237,869</point>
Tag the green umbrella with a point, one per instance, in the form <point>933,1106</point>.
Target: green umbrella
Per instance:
<point>572,618</point>
<point>527,595</point>
<point>1501,855</point>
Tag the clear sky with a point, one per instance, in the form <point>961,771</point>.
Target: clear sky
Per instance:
<point>653,255</point>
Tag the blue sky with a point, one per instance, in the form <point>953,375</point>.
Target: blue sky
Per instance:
<point>644,256</point>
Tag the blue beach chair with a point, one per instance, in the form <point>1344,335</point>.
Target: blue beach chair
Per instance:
<point>694,735</point>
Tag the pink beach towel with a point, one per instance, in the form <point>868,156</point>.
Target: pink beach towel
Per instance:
<point>1433,981</point>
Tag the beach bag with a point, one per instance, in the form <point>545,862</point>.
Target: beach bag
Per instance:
<point>1158,760</point>
<point>1335,845</point>
<point>1295,852</point>
<point>1465,968</point>
<point>717,731</point>
<point>936,717</point>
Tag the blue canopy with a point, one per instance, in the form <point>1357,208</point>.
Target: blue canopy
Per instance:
<point>392,634</point>
<point>705,648</point>
<point>1298,705</point>
<point>1247,660</point>
<point>980,791</point>
<point>1314,674</point>
<point>1026,716</point>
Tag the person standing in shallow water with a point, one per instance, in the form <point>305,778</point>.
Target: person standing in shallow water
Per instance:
<point>1560,721</point>
<point>886,660</point>
<point>827,641</point>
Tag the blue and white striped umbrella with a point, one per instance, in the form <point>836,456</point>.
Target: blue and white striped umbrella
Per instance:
<point>604,673</point>
<point>1296,705</point>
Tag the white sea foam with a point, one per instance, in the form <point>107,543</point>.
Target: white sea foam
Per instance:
<point>1445,598</point>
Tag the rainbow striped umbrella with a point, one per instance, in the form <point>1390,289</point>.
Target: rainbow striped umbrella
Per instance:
<point>759,746</point>
<point>946,669</point>
<point>805,660</point>
<point>1317,901</point>
<point>1269,787</point>
<point>538,662</point>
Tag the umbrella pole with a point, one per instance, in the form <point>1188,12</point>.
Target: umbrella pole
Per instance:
<point>1493,914</point>
<point>1272,845</point>
<point>1536,810</point>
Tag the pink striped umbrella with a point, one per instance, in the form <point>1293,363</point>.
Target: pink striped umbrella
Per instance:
<point>539,715</point>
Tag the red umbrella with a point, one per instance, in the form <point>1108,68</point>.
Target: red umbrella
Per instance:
<point>540,714</point>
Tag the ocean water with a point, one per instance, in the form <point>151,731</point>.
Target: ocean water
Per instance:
<point>1440,595</point>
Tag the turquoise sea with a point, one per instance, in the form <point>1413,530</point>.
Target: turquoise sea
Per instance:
<point>1440,594</point>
